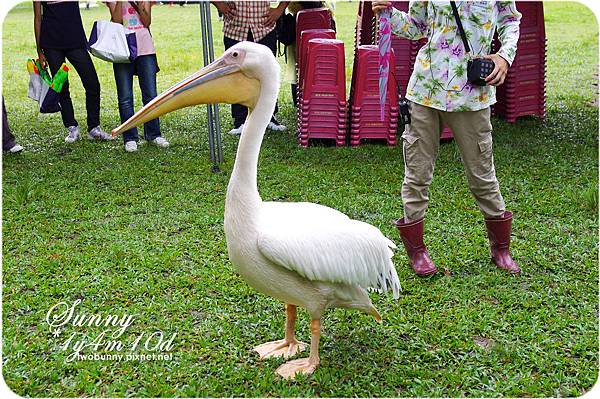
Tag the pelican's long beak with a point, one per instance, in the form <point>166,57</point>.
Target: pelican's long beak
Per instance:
<point>218,82</point>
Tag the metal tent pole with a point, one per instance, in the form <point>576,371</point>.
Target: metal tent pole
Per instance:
<point>211,56</point>
<point>214,126</point>
<point>211,147</point>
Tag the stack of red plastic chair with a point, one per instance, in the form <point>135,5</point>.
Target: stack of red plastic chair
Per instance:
<point>312,18</point>
<point>365,20</point>
<point>301,63</point>
<point>364,118</point>
<point>310,23</point>
<point>365,122</point>
<point>364,34</point>
<point>524,90</point>
<point>446,134</point>
<point>305,37</point>
<point>322,107</point>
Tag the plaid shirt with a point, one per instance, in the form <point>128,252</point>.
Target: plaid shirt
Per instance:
<point>250,15</point>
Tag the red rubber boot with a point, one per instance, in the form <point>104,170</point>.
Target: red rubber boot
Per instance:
<point>498,230</point>
<point>412,237</point>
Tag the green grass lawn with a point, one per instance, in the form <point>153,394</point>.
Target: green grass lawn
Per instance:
<point>142,234</point>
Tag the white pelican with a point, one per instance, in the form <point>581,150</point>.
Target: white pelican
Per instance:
<point>303,254</point>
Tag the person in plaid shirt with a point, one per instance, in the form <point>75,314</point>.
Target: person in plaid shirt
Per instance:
<point>252,21</point>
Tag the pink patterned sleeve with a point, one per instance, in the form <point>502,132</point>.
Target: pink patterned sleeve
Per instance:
<point>412,24</point>
<point>509,19</point>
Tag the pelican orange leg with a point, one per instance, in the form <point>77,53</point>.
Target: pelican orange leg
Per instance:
<point>286,347</point>
<point>308,364</point>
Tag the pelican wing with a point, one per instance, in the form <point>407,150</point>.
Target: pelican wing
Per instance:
<point>322,244</point>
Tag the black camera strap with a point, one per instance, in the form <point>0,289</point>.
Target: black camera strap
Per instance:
<point>461,30</point>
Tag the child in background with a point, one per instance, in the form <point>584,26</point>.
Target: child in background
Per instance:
<point>136,16</point>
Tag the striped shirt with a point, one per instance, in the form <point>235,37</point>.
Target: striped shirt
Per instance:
<point>250,16</point>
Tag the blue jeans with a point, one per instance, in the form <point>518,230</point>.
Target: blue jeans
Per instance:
<point>146,67</point>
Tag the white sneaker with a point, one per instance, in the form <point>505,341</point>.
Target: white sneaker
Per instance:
<point>73,134</point>
<point>98,134</point>
<point>236,131</point>
<point>15,149</point>
<point>161,142</point>
<point>131,146</point>
<point>276,126</point>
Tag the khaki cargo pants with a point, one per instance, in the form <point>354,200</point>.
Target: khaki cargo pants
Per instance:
<point>421,139</point>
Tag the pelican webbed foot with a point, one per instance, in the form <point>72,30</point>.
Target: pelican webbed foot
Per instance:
<point>298,366</point>
<point>287,347</point>
<point>306,365</point>
<point>284,348</point>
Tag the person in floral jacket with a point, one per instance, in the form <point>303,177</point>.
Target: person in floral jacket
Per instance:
<point>440,94</point>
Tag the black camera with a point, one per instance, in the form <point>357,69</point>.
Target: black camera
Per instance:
<point>478,69</point>
<point>404,111</point>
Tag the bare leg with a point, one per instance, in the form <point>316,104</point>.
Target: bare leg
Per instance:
<point>306,365</point>
<point>286,347</point>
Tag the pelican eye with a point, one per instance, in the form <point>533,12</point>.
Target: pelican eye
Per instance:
<point>235,54</point>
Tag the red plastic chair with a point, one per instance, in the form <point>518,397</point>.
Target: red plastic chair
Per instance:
<point>322,108</point>
<point>365,122</point>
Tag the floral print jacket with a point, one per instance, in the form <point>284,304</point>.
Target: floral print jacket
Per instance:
<point>439,78</point>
